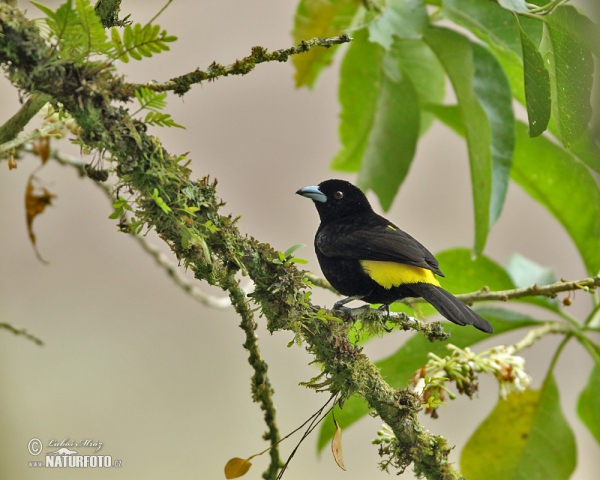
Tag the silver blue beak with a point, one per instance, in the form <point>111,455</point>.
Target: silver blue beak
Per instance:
<point>314,193</point>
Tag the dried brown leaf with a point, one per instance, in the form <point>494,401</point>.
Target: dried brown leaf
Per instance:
<point>42,148</point>
<point>336,446</point>
<point>35,204</point>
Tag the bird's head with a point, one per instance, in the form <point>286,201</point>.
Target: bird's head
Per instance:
<point>336,199</point>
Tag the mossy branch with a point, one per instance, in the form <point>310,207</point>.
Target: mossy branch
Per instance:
<point>183,83</point>
<point>210,244</point>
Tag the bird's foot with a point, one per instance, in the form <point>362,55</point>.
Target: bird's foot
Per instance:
<point>385,308</point>
<point>339,304</point>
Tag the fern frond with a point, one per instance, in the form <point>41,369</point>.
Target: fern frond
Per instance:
<point>78,31</point>
<point>151,100</point>
<point>161,120</point>
<point>139,41</point>
<point>92,28</point>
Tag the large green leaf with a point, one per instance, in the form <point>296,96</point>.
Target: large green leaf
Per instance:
<point>578,26</point>
<point>360,78</point>
<point>319,18</point>
<point>525,437</point>
<point>585,148</point>
<point>553,177</point>
<point>394,133</point>
<point>493,91</point>
<point>539,165</point>
<point>427,74</point>
<point>537,86</point>
<point>455,53</point>
<point>400,18</point>
<point>571,68</point>
<point>380,117</point>
<point>588,406</point>
<point>399,368</point>
<point>491,23</point>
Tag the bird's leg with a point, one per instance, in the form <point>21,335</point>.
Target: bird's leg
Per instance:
<point>339,304</point>
<point>385,308</point>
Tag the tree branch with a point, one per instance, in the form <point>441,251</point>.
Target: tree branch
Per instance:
<point>183,83</point>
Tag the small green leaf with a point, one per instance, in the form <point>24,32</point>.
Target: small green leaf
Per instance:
<point>537,86</point>
<point>292,249</point>
<point>160,202</point>
<point>588,406</point>
<point>456,55</point>
<point>530,438</point>
<point>47,10</point>
<point>405,19</point>
<point>318,18</point>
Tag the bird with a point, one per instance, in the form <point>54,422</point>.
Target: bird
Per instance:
<point>366,257</point>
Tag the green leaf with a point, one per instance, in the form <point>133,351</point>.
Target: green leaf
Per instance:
<point>526,437</point>
<point>380,117</point>
<point>491,23</point>
<point>394,132</point>
<point>525,272</point>
<point>427,74</point>
<point>585,148</point>
<point>161,120</point>
<point>92,28</point>
<point>571,68</point>
<point>319,18</point>
<point>139,41</point>
<point>405,19</point>
<point>292,249</point>
<point>456,55</point>
<point>540,166</point>
<point>588,406</point>
<point>399,368</point>
<point>537,86</point>
<point>578,26</point>
<point>519,6</point>
<point>358,93</point>
<point>47,10</point>
<point>150,99</point>
<point>493,91</point>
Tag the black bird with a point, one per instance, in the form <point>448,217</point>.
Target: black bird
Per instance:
<point>366,257</point>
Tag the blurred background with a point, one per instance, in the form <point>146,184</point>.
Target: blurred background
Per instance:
<point>133,362</point>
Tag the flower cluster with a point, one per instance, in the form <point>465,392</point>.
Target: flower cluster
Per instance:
<point>462,367</point>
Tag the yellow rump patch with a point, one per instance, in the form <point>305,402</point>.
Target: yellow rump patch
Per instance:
<point>392,274</point>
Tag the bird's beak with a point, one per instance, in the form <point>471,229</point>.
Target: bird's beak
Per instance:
<point>314,193</point>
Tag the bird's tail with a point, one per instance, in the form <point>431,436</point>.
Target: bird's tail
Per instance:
<point>450,306</point>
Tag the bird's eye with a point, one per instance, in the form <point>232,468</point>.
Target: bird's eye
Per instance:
<point>338,195</point>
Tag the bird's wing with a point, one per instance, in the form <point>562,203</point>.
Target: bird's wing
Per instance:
<point>386,243</point>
